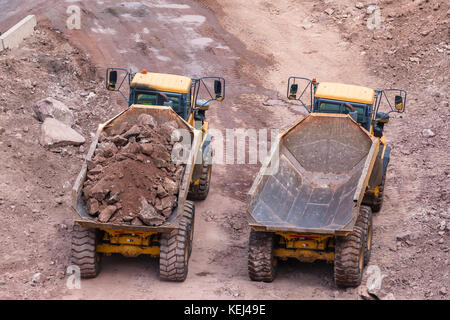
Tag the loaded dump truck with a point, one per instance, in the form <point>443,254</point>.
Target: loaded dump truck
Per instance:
<point>314,199</point>
<point>134,193</point>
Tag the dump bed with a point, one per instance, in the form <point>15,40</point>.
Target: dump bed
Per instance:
<point>161,115</point>
<point>315,179</point>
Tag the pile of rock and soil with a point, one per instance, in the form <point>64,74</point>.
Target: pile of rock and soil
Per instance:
<point>131,177</point>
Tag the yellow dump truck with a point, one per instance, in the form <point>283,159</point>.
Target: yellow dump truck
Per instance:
<point>314,199</point>
<point>166,98</point>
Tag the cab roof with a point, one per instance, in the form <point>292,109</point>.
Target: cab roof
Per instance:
<point>345,92</point>
<point>161,82</point>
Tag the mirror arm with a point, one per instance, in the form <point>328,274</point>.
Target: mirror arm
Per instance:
<point>198,108</point>
<point>123,95</point>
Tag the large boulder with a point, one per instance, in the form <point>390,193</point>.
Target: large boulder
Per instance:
<point>107,213</point>
<point>52,108</point>
<point>149,215</point>
<point>57,134</point>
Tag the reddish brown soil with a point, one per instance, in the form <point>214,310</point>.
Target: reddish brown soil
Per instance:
<point>131,165</point>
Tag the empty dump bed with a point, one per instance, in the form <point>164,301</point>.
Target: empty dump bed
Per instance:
<point>324,163</point>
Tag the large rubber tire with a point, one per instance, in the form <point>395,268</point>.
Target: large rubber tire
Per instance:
<point>261,261</point>
<point>189,213</point>
<point>83,253</point>
<point>365,221</point>
<point>200,191</point>
<point>176,247</point>
<point>349,258</point>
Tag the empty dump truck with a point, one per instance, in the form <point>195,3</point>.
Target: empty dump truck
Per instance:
<point>311,201</point>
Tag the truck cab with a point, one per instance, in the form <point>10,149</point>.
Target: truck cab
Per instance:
<point>178,92</point>
<point>348,99</point>
<point>162,90</point>
<point>361,103</point>
<point>182,94</point>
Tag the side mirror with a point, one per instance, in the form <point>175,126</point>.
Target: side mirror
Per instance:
<point>293,92</point>
<point>398,103</point>
<point>218,90</point>
<point>112,80</point>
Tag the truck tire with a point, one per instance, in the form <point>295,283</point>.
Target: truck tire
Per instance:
<point>83,253</point>
<point>189,213</point>
<point>349,258</point>
<point>200,190</point>
<point>176,248</point>
<point>365,221</point>
<point>261,260</point>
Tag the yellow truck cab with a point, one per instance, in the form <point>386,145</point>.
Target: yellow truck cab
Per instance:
<point>182,94</point>
<point>178,92</point>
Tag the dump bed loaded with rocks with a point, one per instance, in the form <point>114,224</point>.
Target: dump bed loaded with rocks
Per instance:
<point>129,177</point>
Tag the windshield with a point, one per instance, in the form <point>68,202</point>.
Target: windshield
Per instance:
<point>329,107</point>
<point>155,98</point>
<point>338,107</point>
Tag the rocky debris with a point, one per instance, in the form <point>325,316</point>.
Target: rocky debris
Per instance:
<point>50,107</point>
<point>92,206</point>
<point>36,278</point>
<point>136,221</point>
<point>149,215</point>
<point>118,130</point>
<point>131,178</point>
<point>147,149</point>
<point>132,132</point>
<point>168,128</point>
<point>119,141</point>
<point>57,134</point>
<point>147,120</point>
<point>403,236</point>
<point>107,213</point>
<point>375,288</point>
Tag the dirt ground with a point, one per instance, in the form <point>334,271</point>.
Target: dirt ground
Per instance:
<point>256,45</point>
